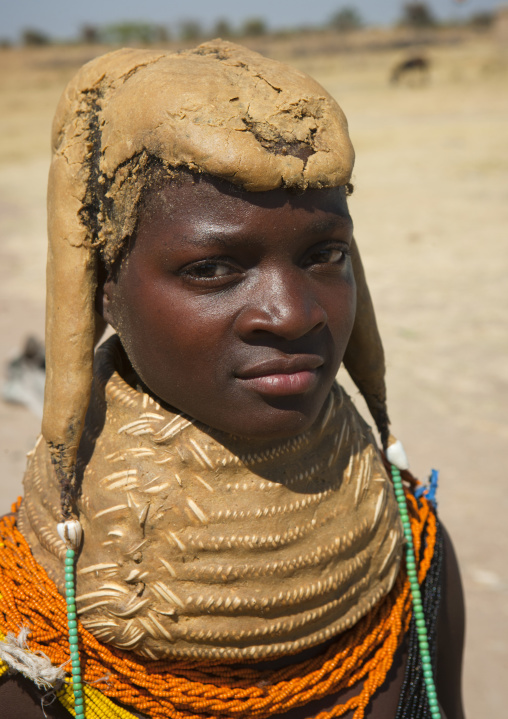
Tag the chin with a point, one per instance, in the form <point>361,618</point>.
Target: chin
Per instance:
<point>278,424</point>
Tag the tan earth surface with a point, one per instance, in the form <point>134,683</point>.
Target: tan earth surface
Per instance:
<point>431,214</point>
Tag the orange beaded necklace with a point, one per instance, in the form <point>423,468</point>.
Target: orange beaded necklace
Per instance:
<point>362,656</point>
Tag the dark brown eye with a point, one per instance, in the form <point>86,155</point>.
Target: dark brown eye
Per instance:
<point>209,269</point>
<point>328,255</point>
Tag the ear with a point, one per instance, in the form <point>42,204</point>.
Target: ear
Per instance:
<point>105,300</point>
<point>105,295</point>
<point>100,320</point>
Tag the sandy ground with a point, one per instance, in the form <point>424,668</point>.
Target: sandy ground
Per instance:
<point>431,213</point>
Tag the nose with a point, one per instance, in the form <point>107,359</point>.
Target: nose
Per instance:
<point>282,304</point>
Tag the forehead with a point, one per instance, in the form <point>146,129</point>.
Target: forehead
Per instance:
<point>207,201</point>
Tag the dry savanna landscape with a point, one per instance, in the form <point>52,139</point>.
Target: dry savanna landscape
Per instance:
<point>431,214</point>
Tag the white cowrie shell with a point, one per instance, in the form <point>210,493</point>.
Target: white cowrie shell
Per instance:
<point>396,454</point>
<point>70,532</point>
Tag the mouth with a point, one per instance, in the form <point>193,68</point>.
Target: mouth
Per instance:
<point>283,376</point>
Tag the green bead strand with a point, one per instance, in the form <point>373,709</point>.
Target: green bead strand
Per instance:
<point>421,628</point>
<point>72,624</point>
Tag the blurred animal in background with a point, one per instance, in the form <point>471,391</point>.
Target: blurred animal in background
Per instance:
<point>413,68</point>
<point>25,376</point>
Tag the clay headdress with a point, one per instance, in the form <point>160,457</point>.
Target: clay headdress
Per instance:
<point>218,109</point>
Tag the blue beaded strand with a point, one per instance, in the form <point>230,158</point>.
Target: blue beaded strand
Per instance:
<point>72,623</point>
<point>412,573</point>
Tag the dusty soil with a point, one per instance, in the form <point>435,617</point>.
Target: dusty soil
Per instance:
<point>431,214</point>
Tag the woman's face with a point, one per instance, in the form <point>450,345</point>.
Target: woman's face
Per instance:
<point>236,307</point>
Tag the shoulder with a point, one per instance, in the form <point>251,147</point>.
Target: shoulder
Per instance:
<point>20,698</point>
<point>450,635</point>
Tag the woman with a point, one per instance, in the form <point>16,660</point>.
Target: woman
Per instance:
<point>221,521</point>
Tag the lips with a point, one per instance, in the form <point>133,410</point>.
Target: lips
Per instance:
<point>283,376</point>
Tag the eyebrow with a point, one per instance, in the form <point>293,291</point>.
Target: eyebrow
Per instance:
<point>218,234</point>
<point>323,226</point>
<point>213,234</point>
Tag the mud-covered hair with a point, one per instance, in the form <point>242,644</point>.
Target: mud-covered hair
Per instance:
<point>133,118</point>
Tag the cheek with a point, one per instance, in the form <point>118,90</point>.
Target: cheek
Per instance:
<point>168,338</point>
<point>341,310</point>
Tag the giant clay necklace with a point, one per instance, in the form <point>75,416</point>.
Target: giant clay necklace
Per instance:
<point>196,546</point>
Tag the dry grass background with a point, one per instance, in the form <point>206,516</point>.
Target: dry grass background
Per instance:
<point>431,213</point>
